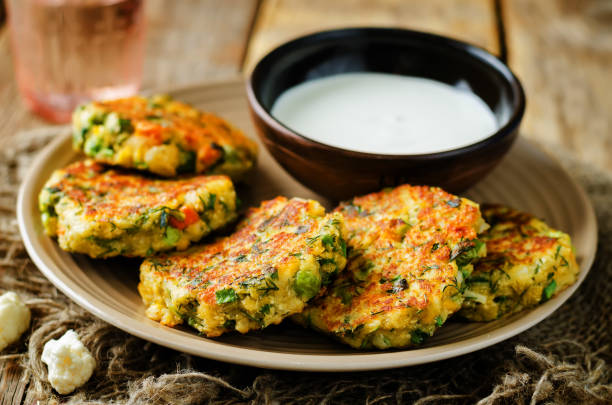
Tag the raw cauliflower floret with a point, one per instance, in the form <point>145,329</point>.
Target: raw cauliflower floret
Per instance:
<point>14,318</point>
<point>70,363</point>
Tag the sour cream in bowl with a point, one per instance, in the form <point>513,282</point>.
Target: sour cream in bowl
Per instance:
<point>351,111</point>
<point>385,113</point>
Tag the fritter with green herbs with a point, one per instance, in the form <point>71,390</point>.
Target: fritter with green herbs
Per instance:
<point>282,255</point>
<point>527,263</point>
<point>105,213</point>
<point>161,136</point>
<point>410,250</point>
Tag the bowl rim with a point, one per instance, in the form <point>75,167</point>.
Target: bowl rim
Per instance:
<point>478,54</point>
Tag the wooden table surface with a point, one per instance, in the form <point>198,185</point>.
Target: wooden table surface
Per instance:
<point>560,49</point>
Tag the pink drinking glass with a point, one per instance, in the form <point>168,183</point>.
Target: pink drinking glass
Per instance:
<point>66,52</point>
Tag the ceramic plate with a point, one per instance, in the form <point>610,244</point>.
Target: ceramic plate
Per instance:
<point>527,179</point>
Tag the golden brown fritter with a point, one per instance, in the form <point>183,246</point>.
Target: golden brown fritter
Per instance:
<point>527,263</point>
<point>161,136</point>
<point>410,249</point>
<point>104,213</point>
<point>281,256</point>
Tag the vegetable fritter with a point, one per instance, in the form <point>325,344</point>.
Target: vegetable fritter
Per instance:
<point>162,136</point>
<point>104,213</point>
<point>410,249</point>
<point>282,255</point>
<point>527,263</point>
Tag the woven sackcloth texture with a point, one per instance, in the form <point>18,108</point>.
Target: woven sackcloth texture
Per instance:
<point>564,359</point>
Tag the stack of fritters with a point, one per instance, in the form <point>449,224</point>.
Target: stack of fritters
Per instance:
<point>281,255</point>
<point>105,212</point>
<point>414,260</point>
<point>410,250</point>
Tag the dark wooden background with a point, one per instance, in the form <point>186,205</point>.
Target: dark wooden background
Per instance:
<point>560,49</point>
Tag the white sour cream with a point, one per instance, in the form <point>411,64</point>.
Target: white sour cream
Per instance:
<point>385,113</point>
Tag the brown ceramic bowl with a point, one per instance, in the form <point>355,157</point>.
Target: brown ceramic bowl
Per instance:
<point>341,174</point>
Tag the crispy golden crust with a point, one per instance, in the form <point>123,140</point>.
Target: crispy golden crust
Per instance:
<point>104,213</point>
<point>402,279</point>
<point>527,263</point>
<point>281,255</point>
<point>162,136</point>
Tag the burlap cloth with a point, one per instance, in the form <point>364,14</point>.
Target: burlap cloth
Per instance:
<point>564,359</point>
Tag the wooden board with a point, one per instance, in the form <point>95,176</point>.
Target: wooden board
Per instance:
<point>189,42</point>
<point>562,51</point>
<point>195,41</point>
<point>281,20</point>
<point>13,381</point>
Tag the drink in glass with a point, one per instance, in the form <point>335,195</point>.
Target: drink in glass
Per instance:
<point>66,52</point>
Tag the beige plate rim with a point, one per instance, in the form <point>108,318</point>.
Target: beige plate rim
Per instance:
<point>264,358</point>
